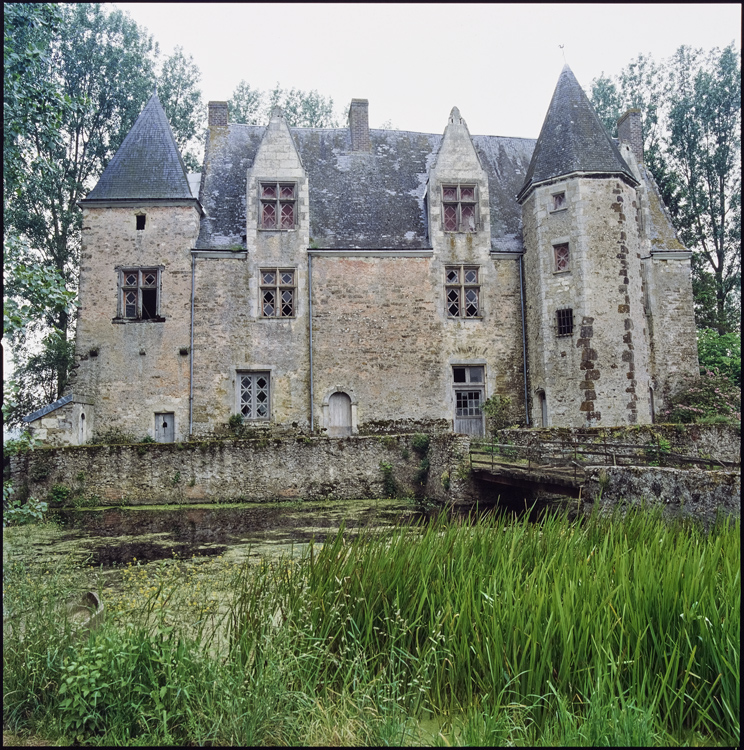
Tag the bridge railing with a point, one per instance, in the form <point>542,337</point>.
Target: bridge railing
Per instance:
<point>572,454</point>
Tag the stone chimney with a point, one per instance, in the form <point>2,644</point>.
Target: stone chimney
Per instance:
<point>359,124</point>
<point>218,114</point>
<point>629,131</point>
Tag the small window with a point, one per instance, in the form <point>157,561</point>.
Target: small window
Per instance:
<point>559,201</point>
<point>564,321</point>
<point>458,208</point>
<point>462,289</point>
<point>253,395</point>
<point>140,221</point>
<point>278,205</point>
<point>277,292</point>
<point>561,255</point>
<point>139,293</point>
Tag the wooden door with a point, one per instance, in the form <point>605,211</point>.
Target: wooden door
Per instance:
<point>165,427</point>
<point>469,386</point>
<point>339,415</point>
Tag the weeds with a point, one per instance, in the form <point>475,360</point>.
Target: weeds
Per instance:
<point>616,631</point>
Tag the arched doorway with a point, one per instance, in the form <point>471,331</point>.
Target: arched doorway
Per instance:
<point>543,408</point>
<point>339,415</point>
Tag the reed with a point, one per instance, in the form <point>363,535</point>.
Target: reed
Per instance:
<point>614,631</point>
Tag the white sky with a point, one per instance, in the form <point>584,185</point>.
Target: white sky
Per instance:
<point>498,63</point>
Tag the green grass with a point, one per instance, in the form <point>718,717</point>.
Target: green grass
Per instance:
<point>620,631</point>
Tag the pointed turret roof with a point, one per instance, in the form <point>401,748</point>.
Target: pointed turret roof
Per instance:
<point>572,140</point>
<point>148,165</point>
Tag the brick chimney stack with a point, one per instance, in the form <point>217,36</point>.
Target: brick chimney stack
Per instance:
<point>359,124</point>
<point>218,114</point>
<point>629,131</point>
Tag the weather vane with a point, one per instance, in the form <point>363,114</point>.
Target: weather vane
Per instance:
<point>564,53</point>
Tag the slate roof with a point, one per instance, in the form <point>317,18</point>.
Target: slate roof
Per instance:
<point>358,200</point>
<point>572,139</point>
<point>148,165</point>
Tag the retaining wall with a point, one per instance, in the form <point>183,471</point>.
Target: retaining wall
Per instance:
<point>695,494</point>
<point>256,470</point>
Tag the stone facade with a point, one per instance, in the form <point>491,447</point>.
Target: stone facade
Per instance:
<point>360,281</point>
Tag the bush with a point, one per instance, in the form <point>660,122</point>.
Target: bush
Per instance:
<point>720,352</point>
<point>16,513</point>
<point>498,410</point>
<point>420,443</point>
<point>711,398</point>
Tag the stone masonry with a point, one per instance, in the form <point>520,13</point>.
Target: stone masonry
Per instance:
<point>361,281</point>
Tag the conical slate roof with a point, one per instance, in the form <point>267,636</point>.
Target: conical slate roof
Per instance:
<point>572,139</point>
<point>148,165</point>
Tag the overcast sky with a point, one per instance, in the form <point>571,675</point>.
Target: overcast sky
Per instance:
<point>498,63</point>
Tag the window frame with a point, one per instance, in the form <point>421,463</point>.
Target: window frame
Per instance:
<point>278,202</point>
<point>564,323</point>
<point>254,375</point>
<point>560,245</point>
<point>125,288</point>
<point>459,187</point>
<point>554,196</point>
<point>277,288</point>
<point>463,287</point>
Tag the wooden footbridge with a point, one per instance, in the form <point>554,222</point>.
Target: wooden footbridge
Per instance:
<point>558,465</point>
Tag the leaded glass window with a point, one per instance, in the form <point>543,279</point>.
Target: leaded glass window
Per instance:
<point>462,289</point>
<point>458,208</point>
<point>278,205</point>
<point>139,293</point>
<point>278,292</point>
<point>561,257</point>
<point>254,395</point>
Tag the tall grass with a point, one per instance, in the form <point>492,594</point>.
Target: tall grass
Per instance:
<point>616,631</point>
<point>624,610</point>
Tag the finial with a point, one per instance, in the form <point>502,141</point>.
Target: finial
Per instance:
<point>564,53</point>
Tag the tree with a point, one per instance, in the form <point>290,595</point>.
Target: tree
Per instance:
<point>302,109</point>
<point>182,102</point>
<point>245,105</point>
<point>691,113</point>
<point>77,76</point>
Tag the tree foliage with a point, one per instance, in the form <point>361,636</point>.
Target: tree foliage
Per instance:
<point>691,112</point>
<point>182,101</point>
<point>302,109</point>
<point>721,352</point>
<point>77,76</point>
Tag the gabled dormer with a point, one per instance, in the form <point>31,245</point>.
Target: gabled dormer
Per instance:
<point>277,194</point>
<point>457,195</point>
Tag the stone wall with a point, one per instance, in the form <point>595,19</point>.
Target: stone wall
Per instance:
<point>132,369</point>
<point>599,373</point>
<point>698,495</point>
<point>256,470</point>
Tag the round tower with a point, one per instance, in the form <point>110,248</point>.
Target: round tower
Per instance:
<point>587,345</point>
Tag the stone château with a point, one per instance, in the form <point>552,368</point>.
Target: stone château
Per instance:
<point>356,280</point>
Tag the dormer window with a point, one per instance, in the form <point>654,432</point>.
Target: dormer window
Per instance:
<point>458,208</point>
<point>278,204</point>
